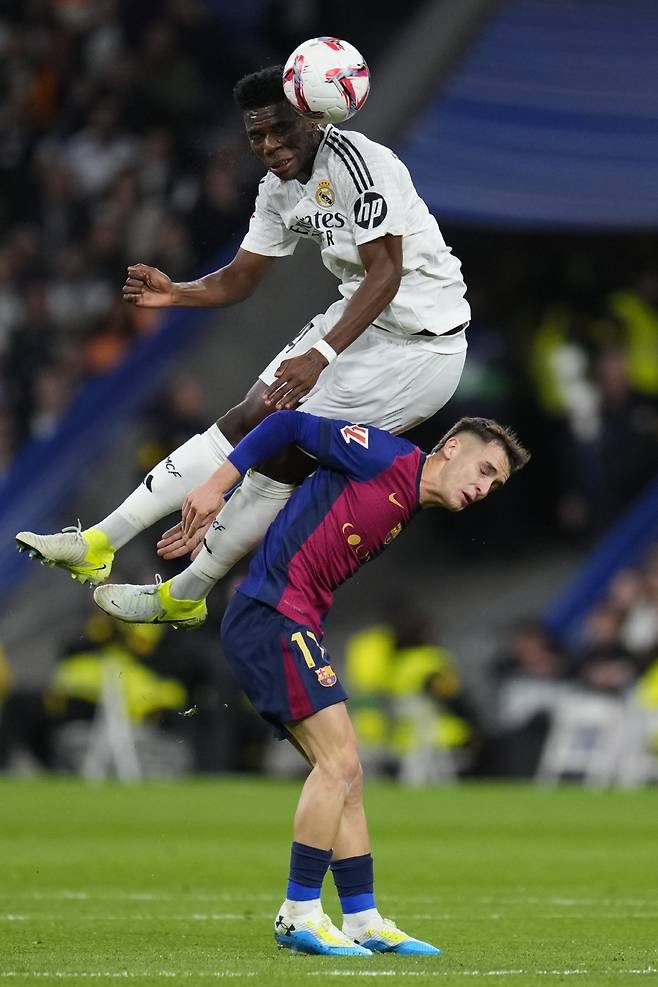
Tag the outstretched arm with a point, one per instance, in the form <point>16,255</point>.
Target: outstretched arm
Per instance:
<point>147,287</point>
<point>382,260</point>
<point>355,450</point>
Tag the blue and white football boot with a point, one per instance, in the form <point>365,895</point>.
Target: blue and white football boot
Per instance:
<point>316,934</point>
<point>385,937</point>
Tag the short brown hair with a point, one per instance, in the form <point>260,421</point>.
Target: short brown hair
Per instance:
<point>490,431</point>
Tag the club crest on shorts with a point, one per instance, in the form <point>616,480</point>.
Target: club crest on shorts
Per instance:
<point>326,676</point>
<point>324,194</point>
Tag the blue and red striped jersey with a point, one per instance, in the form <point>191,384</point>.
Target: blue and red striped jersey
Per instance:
<point>364,492</point>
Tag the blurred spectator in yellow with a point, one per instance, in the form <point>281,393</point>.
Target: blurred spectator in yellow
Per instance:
<point>409,708</point>
<point>77,689</point>
<point>637,310</point>
<point>175,691</point>
<point>551,350</point>
<point>582,366</point>
<point>368,655</point>
<point>648,690</point>
<point>76,686</point>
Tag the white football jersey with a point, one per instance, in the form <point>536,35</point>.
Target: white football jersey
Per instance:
<point>358,191</point>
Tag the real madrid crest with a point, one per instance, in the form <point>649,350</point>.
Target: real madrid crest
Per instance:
<point>324,194</point>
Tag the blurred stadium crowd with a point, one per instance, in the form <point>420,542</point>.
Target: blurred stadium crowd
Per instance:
<point>109,118</point>
<point>564,343</point>
<point>112,116</point>
<point>142,700</point>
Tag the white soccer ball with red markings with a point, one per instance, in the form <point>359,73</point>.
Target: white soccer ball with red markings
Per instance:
<point>326,79</point>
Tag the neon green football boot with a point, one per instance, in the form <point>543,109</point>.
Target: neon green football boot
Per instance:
<point>87,555</point>
<point>150,604</point>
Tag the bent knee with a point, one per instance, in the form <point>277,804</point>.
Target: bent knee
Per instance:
<point>345,768</point>
<point>240,419</point>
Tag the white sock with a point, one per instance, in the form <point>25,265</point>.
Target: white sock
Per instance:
<point>166,486</point>
<point>357,922</point>
<point>300,909</point>
<point>238,528</point>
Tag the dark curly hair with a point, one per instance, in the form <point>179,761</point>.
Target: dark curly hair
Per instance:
<point>259,88</point>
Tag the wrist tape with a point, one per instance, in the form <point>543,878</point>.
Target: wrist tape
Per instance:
<point>327,351</point>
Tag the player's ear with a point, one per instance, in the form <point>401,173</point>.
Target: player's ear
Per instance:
<point>451,446</point>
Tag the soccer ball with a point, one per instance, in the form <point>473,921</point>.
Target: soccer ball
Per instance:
<point>326,79</point>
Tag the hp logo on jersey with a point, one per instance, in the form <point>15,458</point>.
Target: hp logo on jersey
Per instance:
<point>370,210</point>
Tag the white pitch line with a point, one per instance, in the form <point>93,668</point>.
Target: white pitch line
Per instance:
<point>523,899</point>
<point>129,917</point>
<point>138,896</point>
<point>569,902</point>
<point>211,974</point>
<point>96,916</point>
<point>159,917</point>
<point>497,901</point>
<point>613,915</point>
<point>126,974</point>
<point>480,973</point>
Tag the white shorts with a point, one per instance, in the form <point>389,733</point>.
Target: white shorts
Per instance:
<point>384,380</point>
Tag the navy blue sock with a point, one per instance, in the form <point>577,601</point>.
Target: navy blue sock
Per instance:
<point>354,880</point>
<point>308,865</point>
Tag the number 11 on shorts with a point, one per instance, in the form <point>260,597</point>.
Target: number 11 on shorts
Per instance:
<point>298,639</point>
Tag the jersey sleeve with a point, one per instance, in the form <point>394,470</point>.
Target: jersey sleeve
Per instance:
<point>358,451</point>
<point>267,233</point>
<point>372,179</point>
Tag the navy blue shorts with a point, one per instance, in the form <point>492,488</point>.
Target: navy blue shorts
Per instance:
<point>284,670</point>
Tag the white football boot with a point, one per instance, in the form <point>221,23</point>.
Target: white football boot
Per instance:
<point>314,933</point>
<point>87,555</point>
<point>150,604</point>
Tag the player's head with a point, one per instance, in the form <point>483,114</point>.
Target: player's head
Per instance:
<point>283,140</point>
<point>474,458</point>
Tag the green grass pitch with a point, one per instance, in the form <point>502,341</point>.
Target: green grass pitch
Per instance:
<point>180,882</point>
